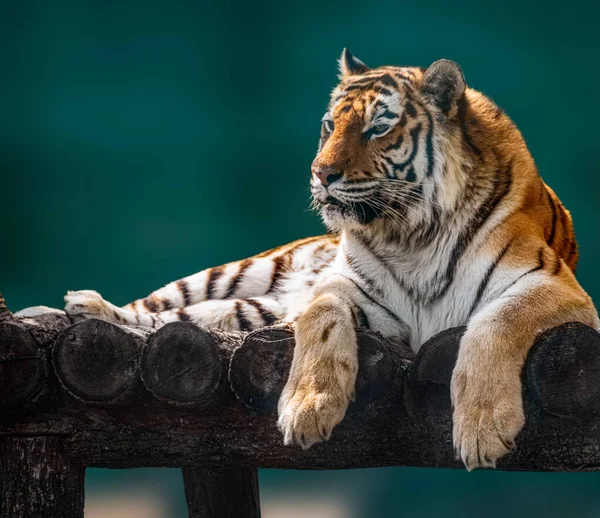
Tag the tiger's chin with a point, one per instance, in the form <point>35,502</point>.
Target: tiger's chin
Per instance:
<point>339,216</point>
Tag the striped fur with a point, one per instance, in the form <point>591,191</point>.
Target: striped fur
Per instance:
<point>438,218</point>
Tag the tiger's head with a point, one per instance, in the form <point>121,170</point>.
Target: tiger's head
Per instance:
<point>387,136</point>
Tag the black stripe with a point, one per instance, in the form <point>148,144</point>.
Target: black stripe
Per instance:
<point>184,288</point>
<point>395,145</point>
<point>279,264</point>
<point>166,304</point>
<point>243,323</point>
<point>183,315</point>
<point>363,320</point>
<point>150,304</point>
<point>537,268</point>
<point>235,281</point>
<point>572,250</point>
<point>388,80</point>
<point>428,138</point>
<point>358,188</point>
<point>267,317</point>
<point>500,188</point>
<point>410,109</point>
<point>429,144</point>
<point>388,115</point>
<point>486,278</point>
<point>463,106</point>
<point>213,276</point>
<point>414,134</point>
<point>550,239</point>
<point>558,266</point>
<point>355,266</point>
<point>382,261</point>
<point>371,299</point>
<point>563,224</point>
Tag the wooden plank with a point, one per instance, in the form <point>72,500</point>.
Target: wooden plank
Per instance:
<point>38,480</point>
<point>222,493</point>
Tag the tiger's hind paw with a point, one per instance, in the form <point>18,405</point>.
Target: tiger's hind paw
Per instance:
<point>83,304</point>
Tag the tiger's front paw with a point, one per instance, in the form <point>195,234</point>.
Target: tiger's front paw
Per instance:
<point>488,415</point>
<point>89,304</point>
<point>308,415</point>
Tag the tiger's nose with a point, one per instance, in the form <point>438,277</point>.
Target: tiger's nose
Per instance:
<point>327,175</point>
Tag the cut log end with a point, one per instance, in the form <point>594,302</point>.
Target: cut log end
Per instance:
<point>4,311</point>
<point>23,369</point>
<point>181,364</point>
<point>260,367</point>
<point>563,370</point>
<point>436,358</point>
<point>97,361</point>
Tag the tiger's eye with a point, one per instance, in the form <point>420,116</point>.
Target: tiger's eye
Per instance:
<point>378,129</point>
<point>328,125</point>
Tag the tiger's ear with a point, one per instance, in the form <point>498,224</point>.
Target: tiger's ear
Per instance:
<point>349,65</point>
<point>444,84</point>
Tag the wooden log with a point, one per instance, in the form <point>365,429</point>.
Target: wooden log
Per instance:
<point>98,362</point>
<point>38,480</point>
<point>260,366</point>
<point>4,311</point>
<point>436,358</point>
<point>222,493</point>
<point>181,364</point>
<point>23,366</point>
<point>151,433</point>
<point>45,324</point>
<point>563,370</point>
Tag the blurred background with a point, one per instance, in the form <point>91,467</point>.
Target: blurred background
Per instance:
<point>144,141</point>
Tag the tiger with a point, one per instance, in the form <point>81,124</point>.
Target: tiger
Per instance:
<point>437,217</point>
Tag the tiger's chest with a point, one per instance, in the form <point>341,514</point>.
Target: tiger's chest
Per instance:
<point>422,293</point>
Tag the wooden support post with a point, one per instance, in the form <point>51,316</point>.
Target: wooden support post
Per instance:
<point>37,481</point>
<point>222,493</point>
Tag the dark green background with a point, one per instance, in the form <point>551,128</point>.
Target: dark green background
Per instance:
<point>140,142</point>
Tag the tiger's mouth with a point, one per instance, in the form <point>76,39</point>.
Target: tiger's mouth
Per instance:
<point>362,212</point>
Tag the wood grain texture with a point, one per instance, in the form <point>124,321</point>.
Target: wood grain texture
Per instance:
<point>260,366</point>
<point>37,480</point>
<point>563,373</point>
<point>181,364</point>
<point>238,427</point>
<point>97,361</point>
<point>23,366</point>
<point>222,493</point>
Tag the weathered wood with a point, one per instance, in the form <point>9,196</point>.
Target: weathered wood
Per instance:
<point>563,371</point>
<point>436,357</point>
<point>23,366</point>
<point>383,433</point>
<point>98,362</point>
<point>222,493</point>
<point>181,364</point>
<point>37,480</point>
<point>45,324</point>
<point>4,311</point>
<point>260,366</point>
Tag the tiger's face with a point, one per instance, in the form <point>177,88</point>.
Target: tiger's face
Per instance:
<point>381,142</point>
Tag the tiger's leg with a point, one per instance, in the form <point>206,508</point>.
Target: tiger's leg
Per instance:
<point>324,367</point>
<point>252,277</point>
<point>243,279</point>
<point>486,382</point>
<point>225,314</point>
